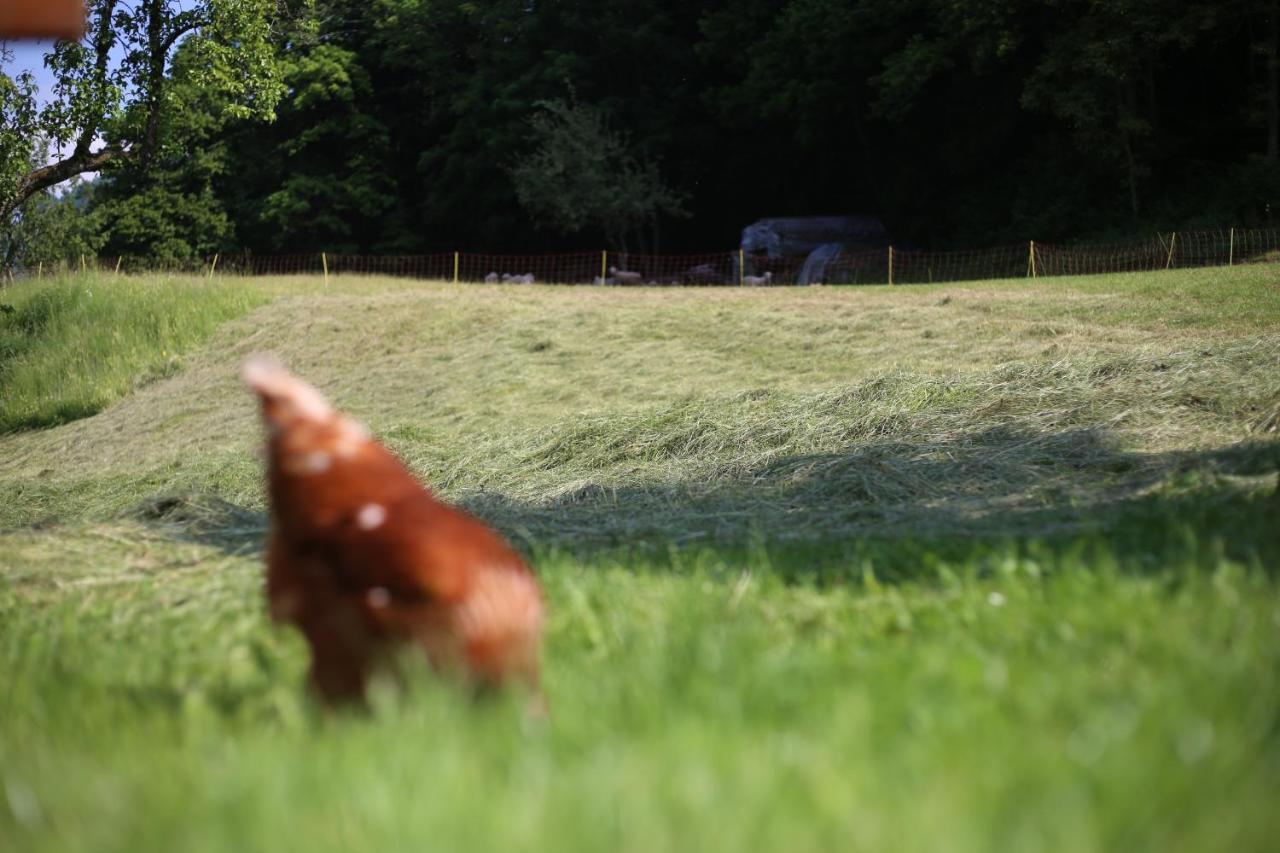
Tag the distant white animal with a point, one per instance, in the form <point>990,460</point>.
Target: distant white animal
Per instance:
<point>625,276</point>
<point>492,278</point>
<point>598,280</point>
<point>758,279</point>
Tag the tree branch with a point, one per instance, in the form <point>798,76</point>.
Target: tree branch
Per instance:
<point>103,40</point>
<point>193,23</point>
<point>155,76</point>
<point>55,173</point>
<point>160,43</point>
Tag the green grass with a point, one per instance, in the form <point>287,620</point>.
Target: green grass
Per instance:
<point>979,567</point>
<point>71,347</point>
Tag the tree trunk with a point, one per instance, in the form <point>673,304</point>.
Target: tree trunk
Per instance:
<point>1125,120</point>
<point>1133,174</point>
<point>1273,83</point>
<point>157,51</point>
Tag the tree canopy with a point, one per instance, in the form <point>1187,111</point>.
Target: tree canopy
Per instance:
<point>581,173</point>
<point>113,101</point>
<point>430,125</point>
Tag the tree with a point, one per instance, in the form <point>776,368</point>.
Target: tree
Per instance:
<point>327,158</point>
<point>1098,69</point>
<point>455,84</point>
<point>54,228</point>
<point>958,122</point>
<point>111,97</point>
<point>581,173</point>
<point>164,209</point>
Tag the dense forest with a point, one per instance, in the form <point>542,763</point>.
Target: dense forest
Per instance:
<point>400,126</point>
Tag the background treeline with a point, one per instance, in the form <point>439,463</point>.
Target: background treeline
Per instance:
<point>533,125</point>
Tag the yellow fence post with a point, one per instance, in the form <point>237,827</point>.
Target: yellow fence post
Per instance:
<point>324,262</point>
<point>455,267</point>
<point>119,258</point>
<point>213,266</point>
<point>742,269</point>
<point>1173,241</point>
<point>604,265</point>
<point>40,270</point>
<point>83,268</point>
<point>1231,248</point>
<point>1031,258</point>
<point>891,265</point>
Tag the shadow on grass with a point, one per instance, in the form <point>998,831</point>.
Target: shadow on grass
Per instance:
<point>899,505</point>
<point>903,506</point>
<point>54,415</point>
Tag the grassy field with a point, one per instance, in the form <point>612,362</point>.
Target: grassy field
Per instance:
<point>968,567</point>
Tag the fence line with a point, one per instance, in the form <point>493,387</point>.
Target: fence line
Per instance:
<point>891,265</point>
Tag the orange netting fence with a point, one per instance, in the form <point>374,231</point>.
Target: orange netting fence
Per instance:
<point>890,265</point>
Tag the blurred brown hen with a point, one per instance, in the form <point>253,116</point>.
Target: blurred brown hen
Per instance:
<point>365,561</point>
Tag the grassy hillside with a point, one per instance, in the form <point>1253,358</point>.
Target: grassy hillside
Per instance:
<point>71,347</point>
<point>979,567</point>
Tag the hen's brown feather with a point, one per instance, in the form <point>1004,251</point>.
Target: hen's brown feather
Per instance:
<point>364,559</point>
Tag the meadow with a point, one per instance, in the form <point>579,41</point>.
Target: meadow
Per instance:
<point>974,567</point>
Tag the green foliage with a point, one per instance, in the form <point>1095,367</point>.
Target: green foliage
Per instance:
<point>161,223</point>
<point>234,55</point>
<point>332,156</point>
<point>165,211</point>
<point>401,120</point>
<point>55,229</point>
<point>1106,73</point>
<point>458,82</point>
<point>115,86</point>
<point>581,173</point>
<point>19,127</point>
